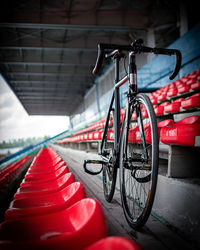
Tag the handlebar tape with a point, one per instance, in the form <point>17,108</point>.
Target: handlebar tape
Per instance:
<point>99,60</point>
<point>178,64</point>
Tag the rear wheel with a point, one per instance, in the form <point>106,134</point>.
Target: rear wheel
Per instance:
<point>139,161</point>
<point>107,152</point>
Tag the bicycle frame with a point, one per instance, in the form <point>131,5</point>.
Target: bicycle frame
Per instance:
<point>135,48</point>
<point>124,153</point>
<point>132,91</point>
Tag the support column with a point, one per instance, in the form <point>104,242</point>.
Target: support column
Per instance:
<point>70,122</point>
<point>151,42</point>
<point>97,97</point>
<point>183,18</point>
<point>183,162</point>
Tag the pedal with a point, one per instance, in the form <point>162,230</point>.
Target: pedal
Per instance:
<point>93,162</point>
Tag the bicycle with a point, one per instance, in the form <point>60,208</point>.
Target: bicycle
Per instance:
<point>134,149</point>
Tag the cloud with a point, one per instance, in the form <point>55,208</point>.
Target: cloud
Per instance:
<point>7,99</point>
<point>4,88</point>
<point>16,123</point>
<point>11,111</point>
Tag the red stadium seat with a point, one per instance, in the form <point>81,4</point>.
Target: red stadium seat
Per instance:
<point>195,86</point>
<point>144,113</point>
<point>164,123</point>
<point>191,81</point>
<point>97,135</point>
<point>184,79</point>
<point>73,228</point>
<point>183,88</point>
<point>46,156</point>
<point>134,116</point>
<point>132,134</point>
<point>110,135</point>
<point>162,97</point>
<point>9,173</point>
<point>191,102</point>
<point>45,188</point>
<point>47,170</point>
<point>122,113</point>
<point>90,136</point>
<point>159,110</point>
<point>114,243</point>
<point>147,131</point>
<point>45,163</point>
<point>182,132</point>
<point>172,92</point>
<point>27,186</point>
<point>174,106</point>
<point>49,176</point>
<point>46,204</point>
<point>153,98</point>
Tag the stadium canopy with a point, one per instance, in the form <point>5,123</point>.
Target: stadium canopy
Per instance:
<point>48,48</point>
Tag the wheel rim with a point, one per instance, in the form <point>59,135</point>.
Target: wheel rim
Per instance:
<point>137,171</point>
<point>109,176</point>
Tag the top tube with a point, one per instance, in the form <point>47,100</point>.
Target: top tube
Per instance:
<point>121,82</point>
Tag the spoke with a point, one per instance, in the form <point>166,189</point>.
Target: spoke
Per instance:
<point>138,167</point>
<point>149,145</point>
<point>137,192</point>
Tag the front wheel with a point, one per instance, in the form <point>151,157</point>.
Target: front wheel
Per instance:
<point>139,154</point>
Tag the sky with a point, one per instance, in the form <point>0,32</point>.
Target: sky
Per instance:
<point>16,123</point>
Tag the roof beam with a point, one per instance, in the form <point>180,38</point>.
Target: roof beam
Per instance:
<point>48,48</point>
<point>46,101</point>
<point>46,74</point>
<point>48,82</point>
<point>48,94</point>
<point>59,98</point>
<point>69,27</point>
<point>46,64</point>
<point>46,89</point>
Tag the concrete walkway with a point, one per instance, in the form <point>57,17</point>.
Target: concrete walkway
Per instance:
<point>154,235</point>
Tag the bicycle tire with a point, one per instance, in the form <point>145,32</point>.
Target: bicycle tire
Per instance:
<point>109,173</point>
<point>139,167</point>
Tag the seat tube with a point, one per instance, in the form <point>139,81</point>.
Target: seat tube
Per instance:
<point>117,104</point>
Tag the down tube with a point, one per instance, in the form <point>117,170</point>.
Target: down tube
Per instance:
<point>107,120</point>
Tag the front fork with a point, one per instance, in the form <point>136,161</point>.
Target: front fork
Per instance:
<point>142,133</point>
<point>132,92</point>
